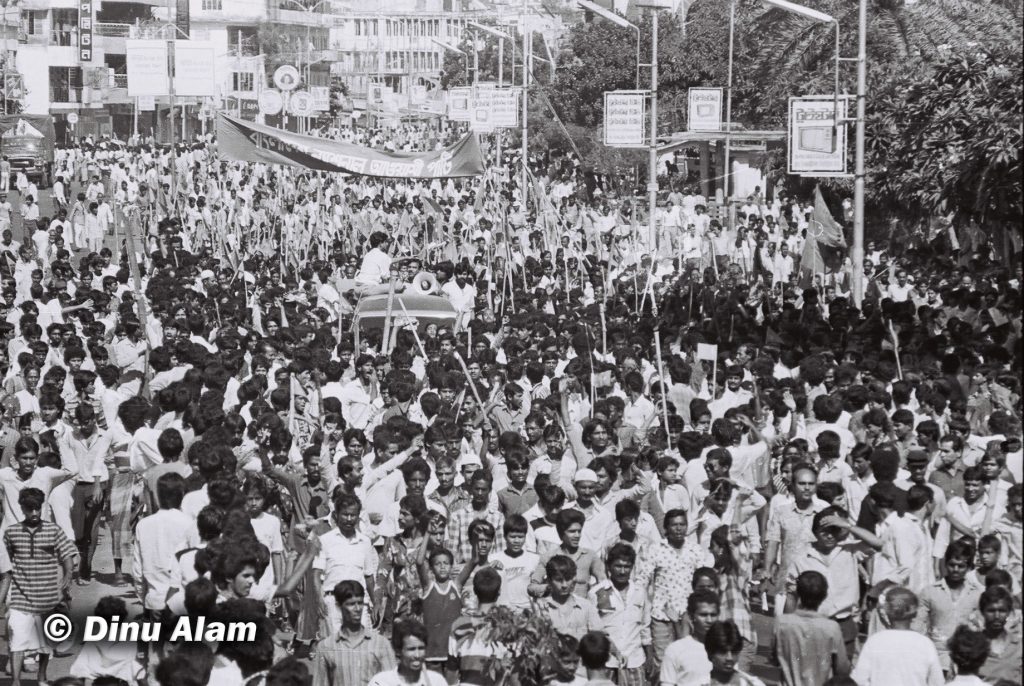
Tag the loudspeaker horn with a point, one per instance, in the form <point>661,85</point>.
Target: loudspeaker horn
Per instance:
<point>425,283</point>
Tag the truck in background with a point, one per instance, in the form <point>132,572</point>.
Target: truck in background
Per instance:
<point>27,141</point>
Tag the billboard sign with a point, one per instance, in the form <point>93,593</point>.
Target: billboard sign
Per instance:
<point>459,103</point>
<point>147,67</point>
<point>505,107</point>
<point>817,146</point>
<point>704,109</point>
<point>625,118</point>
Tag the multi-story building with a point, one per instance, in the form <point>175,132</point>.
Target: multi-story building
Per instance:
<point>397,44</point>
<point>70,61</point>
<point>400,45</point>
<point>69,56</point>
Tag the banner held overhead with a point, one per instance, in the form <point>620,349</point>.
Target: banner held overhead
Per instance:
<point>245,141</point>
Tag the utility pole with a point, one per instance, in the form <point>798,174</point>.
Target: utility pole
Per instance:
<point>727,172</point>
<point>652,180</point>
<point>857,254</point>
<point>526,98</point>
<point>170,119</point>
<point>501,84</point>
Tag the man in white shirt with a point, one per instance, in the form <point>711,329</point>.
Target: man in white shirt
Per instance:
<point>900,291</point>
<point>345,555</point>
<point>158,539</point>
<point>686,661</point>
<point>376,266</point>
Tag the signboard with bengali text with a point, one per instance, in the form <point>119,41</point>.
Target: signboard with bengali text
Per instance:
<point>147,67</point>
<point>625,119</point>
<point>86,18</point>
<point>459,103</point>
<point>194,68</point>
<point>481,109</point>
<point>817,147</point>
<point>704,109</point>
<point>505,108</point>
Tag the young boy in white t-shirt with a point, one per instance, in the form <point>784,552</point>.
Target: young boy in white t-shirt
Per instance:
<point>514,564</point>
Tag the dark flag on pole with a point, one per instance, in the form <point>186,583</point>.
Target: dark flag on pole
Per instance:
<point>824,237</point>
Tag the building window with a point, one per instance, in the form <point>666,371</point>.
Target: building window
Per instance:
<point>242,81</point>
<point>64,31</point>
<point>213,5</point>
<point>65,84</point>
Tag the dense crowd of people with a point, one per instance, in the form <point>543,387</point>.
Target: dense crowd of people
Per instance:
<point>647,452</point>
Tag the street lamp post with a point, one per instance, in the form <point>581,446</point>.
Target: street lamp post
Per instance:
<point>527,50</point>
<point>501,36</point>
<point>857,250</point>
<point>652,153</point>
<point>857,254</point>
<point>652,161</point>
<point>458,51</point>
<point>619,21</point>
<point>727,171</point>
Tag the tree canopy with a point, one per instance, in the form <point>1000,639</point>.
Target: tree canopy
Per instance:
<point>949,142</point>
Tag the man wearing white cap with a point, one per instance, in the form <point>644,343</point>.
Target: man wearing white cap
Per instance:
<point>205,279</point>
<point>599,519</point>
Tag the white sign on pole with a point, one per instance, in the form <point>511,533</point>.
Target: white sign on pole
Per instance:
<point>625,119</point>
<point>286,77</point>
<point>72,118</point>
<point>817,147</point>
<point>146,103</point>
<point>321,98</point>
<point>505,108</point>
<point>270,101</point>
<point>707,351</point>
<point>194,73</point>
<point>147,67</point>
<point>301,104</point>
<point>458,103</point>
<point>481,109</point>
<point>705,109</point>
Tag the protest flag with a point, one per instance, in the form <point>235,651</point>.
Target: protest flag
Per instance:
<point>824,235</point>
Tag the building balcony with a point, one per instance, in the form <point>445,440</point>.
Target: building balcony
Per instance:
<point>114,30</point>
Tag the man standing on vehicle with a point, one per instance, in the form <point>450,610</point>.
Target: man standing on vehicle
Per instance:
<point>5,174</point>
